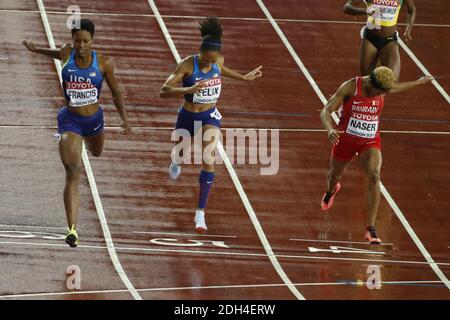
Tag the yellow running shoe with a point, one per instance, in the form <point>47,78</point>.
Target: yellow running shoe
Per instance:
<point>72,237</point>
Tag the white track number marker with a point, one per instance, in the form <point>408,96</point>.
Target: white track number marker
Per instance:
<point>339,250</point>
<point>30,235</point>
<point>190,243</point>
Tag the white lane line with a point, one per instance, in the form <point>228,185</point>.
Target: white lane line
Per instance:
<point>238,286</point>
<point>4,58</point>
<point>415,238</point>
<point>339,241</point>
<point>234,176</point>
<point>384,191</point>
<point>423,69</point>
<point>30,227</point>
<point>90,175</point>
<point>221,18</point>
<point>222,253</point>
<point>144,128</point>
<point>185,234</point>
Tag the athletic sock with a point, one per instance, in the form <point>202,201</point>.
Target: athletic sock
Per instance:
<point>206,180</point>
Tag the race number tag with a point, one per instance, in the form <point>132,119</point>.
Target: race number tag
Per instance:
<point>216,115</point>
<point>81,93</point>
<point>209,94</point>
<point>382,11</point>
<point>362,128</point>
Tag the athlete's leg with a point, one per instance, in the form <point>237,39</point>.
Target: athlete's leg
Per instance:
<point>95,143</point>
<point>70,152</point>
<point>206,177</point>
<point>183,138</point>
<point>368,57</point>
<point>390,57</point>
<point>337,169</point>
<point>371,160</point>
<point>180,154</point>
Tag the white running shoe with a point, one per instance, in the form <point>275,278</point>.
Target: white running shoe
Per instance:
<point>174,170</point>
<point>200,223</point>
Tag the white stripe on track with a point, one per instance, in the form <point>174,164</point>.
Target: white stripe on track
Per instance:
<point>90,175</point>
<point>185,234</point>
<point>234,177</point>
<point>423,69</point>
<point>321,21</point>
<point>238,286</point>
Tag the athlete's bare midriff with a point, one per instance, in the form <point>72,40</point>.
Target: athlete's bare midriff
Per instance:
<point>84,111</point>
<point>196,107</point>
<point>383,32</point>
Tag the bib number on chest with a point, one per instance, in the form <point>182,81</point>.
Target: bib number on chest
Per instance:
<point>383,10</point>
<point>81,94</point>
<point>209,94</point>
<point>362,129</point>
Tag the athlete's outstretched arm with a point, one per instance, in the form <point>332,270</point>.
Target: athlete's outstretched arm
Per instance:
<point>227,72</point>
<point>344,91</point>
<point>351,7</point>
<point>403,86</point>
<point>410,20</point>
<point>108,73</point>
<point>252,75</point>
<point>59,54</point>
<point>170,88</point>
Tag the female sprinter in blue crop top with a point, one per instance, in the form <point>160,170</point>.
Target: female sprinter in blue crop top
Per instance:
<point>201,77</point>
<point>82,118</point>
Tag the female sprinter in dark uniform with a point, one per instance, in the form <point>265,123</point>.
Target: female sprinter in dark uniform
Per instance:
<point>82,119</point>
<point>362,99</point>
<point>379,36</point>
<point>201,75</point>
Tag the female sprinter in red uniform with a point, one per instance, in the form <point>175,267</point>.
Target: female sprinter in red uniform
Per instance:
<point>201,76</point>
<point>379,36</point>
<point>358,132</point>
<point>82,119</point>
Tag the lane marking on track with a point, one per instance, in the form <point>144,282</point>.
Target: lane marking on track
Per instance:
<point>185,234</point>
<point>239,286</point>
<point>256,19</point>
<point>30,227</point>
<point>423,69</point>
<point>30,235</point>
<point>384,191</point>
<point>339,241</point>
<point>339,250</point>
<point>90,175</point>
<point>223,253</point>
<point>234,177</point>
